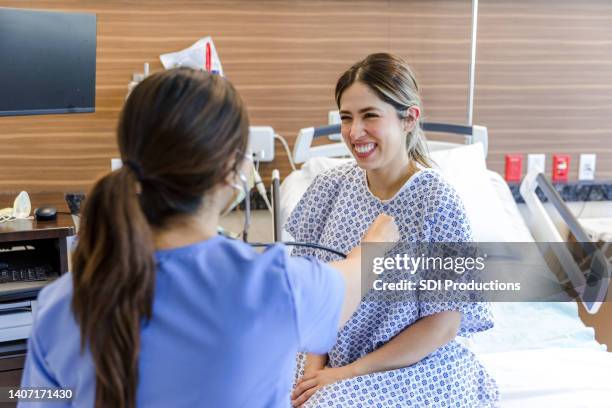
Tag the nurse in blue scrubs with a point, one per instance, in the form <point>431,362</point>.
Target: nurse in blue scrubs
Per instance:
<point>159,310</point>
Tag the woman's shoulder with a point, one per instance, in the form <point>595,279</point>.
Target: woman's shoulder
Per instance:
<point>338,175</point>
<point>54,315</point>
<point>431,183</point>
<point>234,254</point>
<point>57,294</point>
<point>443,207</point>
<point>430,177</point>
<point>244,258</point>
<point>327,186</point>
<point>435,192</point>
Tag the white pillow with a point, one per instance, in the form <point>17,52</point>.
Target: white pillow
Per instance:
<point>465,169</point>
<point>519,231</point>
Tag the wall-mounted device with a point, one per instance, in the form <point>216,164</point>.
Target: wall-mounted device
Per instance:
<point>514,167</point>
<point>560,169</point>
<point>261,143</point>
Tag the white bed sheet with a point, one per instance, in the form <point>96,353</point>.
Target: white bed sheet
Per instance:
<point>553,377</point>
<point>541,354</point>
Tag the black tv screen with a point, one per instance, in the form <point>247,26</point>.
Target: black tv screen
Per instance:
<point>47,62</point>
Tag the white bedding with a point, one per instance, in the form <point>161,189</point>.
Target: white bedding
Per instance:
<point>541,354</point>
<point>552,377</point>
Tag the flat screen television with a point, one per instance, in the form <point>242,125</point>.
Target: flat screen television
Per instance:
<point>47,62</point>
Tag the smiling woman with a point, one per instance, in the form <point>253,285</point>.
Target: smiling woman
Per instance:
<point>389,353</point>
<point>398,97</point>
<point>380,109</point>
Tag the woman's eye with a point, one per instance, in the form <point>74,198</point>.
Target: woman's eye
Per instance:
<point>345,118</point>
<point>370,115</point>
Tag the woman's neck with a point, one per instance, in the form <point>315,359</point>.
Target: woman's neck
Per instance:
<point>186,230</point>
<point>385,183</point>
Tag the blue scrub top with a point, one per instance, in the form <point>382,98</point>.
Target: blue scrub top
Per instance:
<point>227,324</point>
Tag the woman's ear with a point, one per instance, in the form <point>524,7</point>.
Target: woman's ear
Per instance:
<point>231,177</point>
<point>411,118</point>
<point>232,172</point>
<point>415,111</point>
<point>244,168</point>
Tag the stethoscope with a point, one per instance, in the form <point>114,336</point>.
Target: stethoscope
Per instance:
<point>275,200</point>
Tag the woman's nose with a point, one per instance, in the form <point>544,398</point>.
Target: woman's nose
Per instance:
<point>356,130</point>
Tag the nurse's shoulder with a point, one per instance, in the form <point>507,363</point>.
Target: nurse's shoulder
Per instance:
<point>316,290</point>
<point>55,333</point>
<point>54,300</point>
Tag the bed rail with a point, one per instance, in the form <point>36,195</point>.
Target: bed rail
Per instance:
<point>592,285</point>
<point>303,149</point>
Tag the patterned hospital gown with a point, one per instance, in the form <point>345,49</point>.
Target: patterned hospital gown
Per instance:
<point>335,211</point>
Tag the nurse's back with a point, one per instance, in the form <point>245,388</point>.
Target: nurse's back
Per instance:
<point>158,310</point>
<point>226,325</point>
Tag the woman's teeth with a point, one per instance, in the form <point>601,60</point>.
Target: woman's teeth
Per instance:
<point>366,148</point>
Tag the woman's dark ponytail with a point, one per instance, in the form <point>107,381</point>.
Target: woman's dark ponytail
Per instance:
<point>114,278</point>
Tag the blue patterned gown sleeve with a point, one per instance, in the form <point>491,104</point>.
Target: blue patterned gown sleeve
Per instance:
<point>448,222</point>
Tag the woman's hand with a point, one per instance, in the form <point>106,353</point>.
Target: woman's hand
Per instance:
<point>310,383</point>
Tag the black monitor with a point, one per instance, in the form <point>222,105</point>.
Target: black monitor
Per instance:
<point>47,62</point>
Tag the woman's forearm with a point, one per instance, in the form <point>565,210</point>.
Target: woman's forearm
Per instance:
<point>314,362</point>
<point>350,265</point>
<point>411,345</point>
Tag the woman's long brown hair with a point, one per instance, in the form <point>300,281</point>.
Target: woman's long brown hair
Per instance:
<point>180,132</point>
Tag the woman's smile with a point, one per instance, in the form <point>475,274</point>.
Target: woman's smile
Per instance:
<point>364,150</point>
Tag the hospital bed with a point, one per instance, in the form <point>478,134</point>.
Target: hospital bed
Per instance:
<point>540,353</point>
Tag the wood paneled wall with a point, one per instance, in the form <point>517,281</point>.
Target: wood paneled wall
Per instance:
<point>544,79</point>
<point>544,73</point>
<point>283,56</point>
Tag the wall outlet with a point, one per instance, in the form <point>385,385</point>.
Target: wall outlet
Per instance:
<point>261,143</point>
<point>333,117</point>
<point>586,171</point>
<point>536,161</point>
